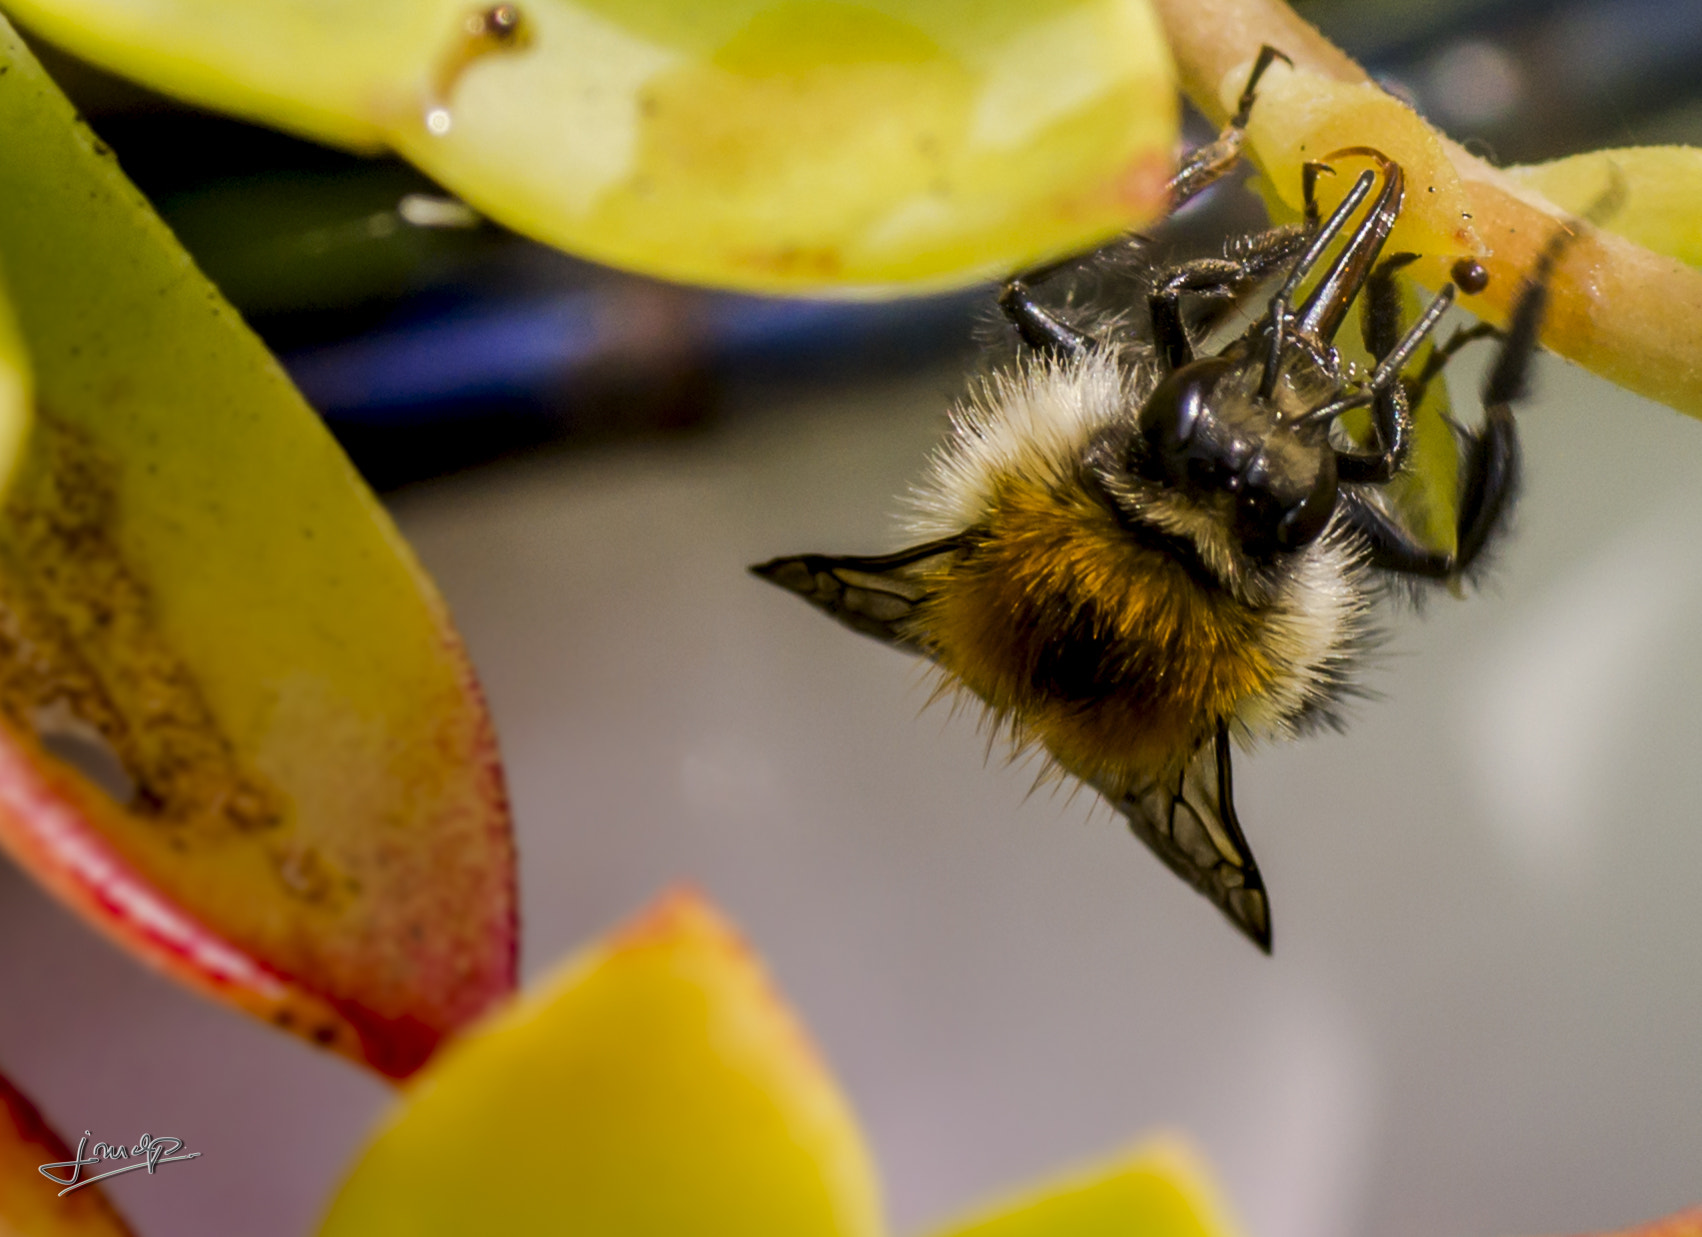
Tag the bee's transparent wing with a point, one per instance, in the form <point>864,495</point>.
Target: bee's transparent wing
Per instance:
<point>1190,823</point>
<point>876,594</point>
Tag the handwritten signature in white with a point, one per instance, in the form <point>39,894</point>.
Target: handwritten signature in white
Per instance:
<point>154,1152</point>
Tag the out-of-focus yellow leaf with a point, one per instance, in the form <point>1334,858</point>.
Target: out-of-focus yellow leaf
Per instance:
<point>781,145</point>
<point>196,588</point>
<point>1158,1190</point>
<point>30,1205</point>
<point>1662,207</point>
<point>656,1086</point>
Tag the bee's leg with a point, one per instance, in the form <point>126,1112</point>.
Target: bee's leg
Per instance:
<point>1228,279</point>
<point>1490,471</point>
<point>1211,277</point>
<point>1205,165</point>
<point>1225,280</point>
<point>1309,173</point>
<point>1393,545</point>
<point>1391,403</point>
<point>1438,360</point>
<point>1489,466</point>
<point>1038,328</point>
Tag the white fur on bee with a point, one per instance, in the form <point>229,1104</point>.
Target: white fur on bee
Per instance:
<point>1033,420</point>
<point>1318,631</point>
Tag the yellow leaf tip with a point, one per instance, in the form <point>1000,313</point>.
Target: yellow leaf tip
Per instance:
<point>679,912</point>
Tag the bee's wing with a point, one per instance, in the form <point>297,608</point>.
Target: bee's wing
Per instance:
<point>877,595</point>
<point>1190,824</point>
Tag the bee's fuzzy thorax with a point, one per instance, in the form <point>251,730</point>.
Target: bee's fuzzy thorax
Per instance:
<point>1042,423</point>
<point>1088,639</point>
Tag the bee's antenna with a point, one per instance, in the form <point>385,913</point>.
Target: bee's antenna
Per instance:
<point>1335,408</point>
<point>1321,316</point>
<point>1389,369</point>
<point>1309,259</point>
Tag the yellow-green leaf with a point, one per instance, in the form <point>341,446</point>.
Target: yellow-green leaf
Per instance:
<point>16,393</point>
<point>304,814</point>
<point>30,1205</point>
<point>1157,1190</point>
<point>815,145</point>
<point>655,1086</point>
<point>1662,205</point>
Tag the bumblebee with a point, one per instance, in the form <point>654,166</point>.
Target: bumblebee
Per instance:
<point>1136,552</point>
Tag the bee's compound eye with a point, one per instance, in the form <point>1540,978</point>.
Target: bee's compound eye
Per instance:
<point>1171,422</point>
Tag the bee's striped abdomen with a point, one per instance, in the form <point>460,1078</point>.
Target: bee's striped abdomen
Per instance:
<point>1109,652</point>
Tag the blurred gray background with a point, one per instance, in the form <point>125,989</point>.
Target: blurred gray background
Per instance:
<point>1484,1014</point>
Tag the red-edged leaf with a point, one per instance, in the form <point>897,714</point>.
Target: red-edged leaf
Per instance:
<point>303,813</point>
<point>30,1205</point>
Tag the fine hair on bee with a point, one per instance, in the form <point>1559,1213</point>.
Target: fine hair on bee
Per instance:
<point>1139,545</point>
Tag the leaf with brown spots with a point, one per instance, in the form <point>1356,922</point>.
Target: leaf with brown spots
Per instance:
<point>237,730</point>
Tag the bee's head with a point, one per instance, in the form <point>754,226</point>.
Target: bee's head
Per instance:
<point>1206,433</point>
